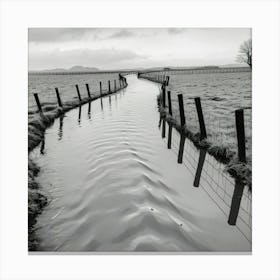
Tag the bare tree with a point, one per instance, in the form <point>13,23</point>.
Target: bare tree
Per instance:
<point>245,53</point>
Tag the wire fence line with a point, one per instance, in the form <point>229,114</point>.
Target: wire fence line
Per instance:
<point>219,119</point>
<point>217,184</point>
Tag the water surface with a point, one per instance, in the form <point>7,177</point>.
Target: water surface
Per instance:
<point>115,187</point>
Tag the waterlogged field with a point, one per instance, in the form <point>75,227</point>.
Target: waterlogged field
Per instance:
<point>45,86</point>
<point>221,94</point>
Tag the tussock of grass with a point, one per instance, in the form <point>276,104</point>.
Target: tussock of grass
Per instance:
<point>37,200</point>
<point>221,153</point>
<point>37,124</point>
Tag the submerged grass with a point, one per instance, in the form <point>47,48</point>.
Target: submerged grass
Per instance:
<point>38,122</point>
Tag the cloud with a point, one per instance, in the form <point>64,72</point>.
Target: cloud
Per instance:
<point>124,33</point>
<point>175,31</point>
<point>45,35</point>
<point>101,58</point>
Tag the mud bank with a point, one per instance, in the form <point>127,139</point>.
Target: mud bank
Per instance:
<point>37,124</point>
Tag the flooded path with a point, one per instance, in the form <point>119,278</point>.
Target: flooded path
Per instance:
<point>115,187</point>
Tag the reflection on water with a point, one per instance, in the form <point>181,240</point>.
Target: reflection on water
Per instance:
<point>163,128</point>
<point>230,193</point>
<point>89,110</point>
<point>101,103</point>
<point>235,202</point>
<point>110,102</point>
<point>159,122</point>
<point>181,148</point>
<point>79,115</point>
<point>42,148</point>
<point>114,185</point>
<point>60,130</point>
<point>202,154</point>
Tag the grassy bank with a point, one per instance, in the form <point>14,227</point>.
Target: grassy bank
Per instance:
<point>38,122</point>
<point>223,148</point>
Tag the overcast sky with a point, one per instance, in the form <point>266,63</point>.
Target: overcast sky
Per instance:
<point>118,48</point>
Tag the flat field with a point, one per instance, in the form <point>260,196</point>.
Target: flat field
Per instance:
<point>45,86</point>
<point>221,94</point>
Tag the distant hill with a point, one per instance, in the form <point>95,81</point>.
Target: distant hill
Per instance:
<point>82,69</point>
<point>75,68</point>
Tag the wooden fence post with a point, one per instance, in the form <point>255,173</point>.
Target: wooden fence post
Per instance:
<point>100,87</point>
<point>109,87</point>
<point>120,83</point>
<point>239,121</point>
<point>239,185</point>
<point>163,96</point>
<point>88,91</point>
<point>167,80</point>
<point>182,111</point>
<point>115,85</point>
<point>58,97</point>
<point>169,103</point>
<point>78,92</point>
<point>203,133</point>
<point>38,102</point>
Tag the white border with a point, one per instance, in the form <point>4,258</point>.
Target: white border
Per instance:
<point>17,16</point>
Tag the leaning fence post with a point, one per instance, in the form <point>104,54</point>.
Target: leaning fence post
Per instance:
<point>58,97</point>
<point>169,103</point>
<point>167,80</point>
<point>239,121</point>
<point>78,92</point>
<point>38,102</point>
<point>239,185</point>
<point>163,96</point>
<point>88,91</point>
<point>181,108</point>
<point>109,87</point>
<point>100,87</point>
<point>203,133</point>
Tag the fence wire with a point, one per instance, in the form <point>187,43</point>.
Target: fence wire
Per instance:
<point>217,184</point>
